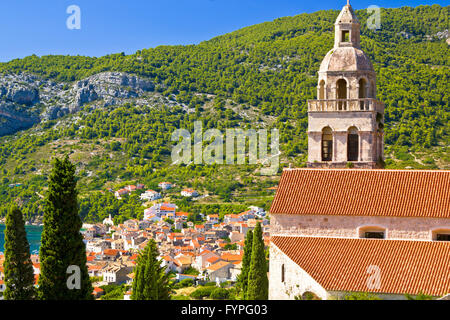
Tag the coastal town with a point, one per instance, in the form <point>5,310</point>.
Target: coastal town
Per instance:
<point>357,208</point>
<point>210,250</point>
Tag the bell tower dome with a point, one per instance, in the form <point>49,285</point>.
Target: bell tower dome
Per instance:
<point>345,123</point>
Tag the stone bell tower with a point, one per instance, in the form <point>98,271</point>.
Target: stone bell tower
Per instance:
<point>345,123</point>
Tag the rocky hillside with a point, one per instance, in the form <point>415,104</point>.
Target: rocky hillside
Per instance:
<point>115,114</point>
<point>27,99</point>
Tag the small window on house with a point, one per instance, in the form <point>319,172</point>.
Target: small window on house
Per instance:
<point>372,232</point>
<point>441,235</point>
<point>345,36</point>
<point>282,273</point>
<point>374,235</point>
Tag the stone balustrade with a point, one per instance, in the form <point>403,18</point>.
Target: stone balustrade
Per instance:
<point>332,105</point>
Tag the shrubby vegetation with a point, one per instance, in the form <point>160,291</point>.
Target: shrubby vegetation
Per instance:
<point>268,71</point>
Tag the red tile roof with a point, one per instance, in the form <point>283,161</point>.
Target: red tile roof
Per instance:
<point>213,259</point>
<point>356,192</point>
<point>218,265</point>
<point>167,208</point>
<point>111,252</point>
<point>340,264</point>
<point>231,257</point>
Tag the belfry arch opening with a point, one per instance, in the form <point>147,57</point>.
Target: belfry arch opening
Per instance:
<point>327,144</point>
<point>362,92</point>
<point>322,90</point>
<point>321,94</point>
<point>341,93</point>
<point>352,144</point>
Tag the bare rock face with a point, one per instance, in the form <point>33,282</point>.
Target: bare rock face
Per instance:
<point>85,95</point>
<point>21,95</point>
<point>27,99</point>
<point>14,118</point>
<point>109,86</point>
<point>19,90</point>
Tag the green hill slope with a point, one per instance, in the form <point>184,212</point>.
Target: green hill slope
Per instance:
<point>267,71</point>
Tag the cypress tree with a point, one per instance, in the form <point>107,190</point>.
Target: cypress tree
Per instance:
<point>19,275</point>
<point>150,279</point>
<point>62,243</point>
<point>258,283</point>
<point>242,282</point>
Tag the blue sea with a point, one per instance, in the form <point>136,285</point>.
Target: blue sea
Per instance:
<point>33,235</point>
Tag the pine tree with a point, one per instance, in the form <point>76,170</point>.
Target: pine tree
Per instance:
<point>62,246</point>
<point>150,279</point>
<point>19,275</point>
<point>258,283</point>
<point>242,281</point>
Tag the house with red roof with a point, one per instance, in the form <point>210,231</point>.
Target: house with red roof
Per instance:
<point>165,185</point>
<point>189,193</point>
<point>98,292</point>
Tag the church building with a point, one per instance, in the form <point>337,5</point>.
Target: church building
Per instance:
<point>345,225</point>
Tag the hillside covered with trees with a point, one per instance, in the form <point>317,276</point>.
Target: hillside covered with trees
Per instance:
<point>259,76</point>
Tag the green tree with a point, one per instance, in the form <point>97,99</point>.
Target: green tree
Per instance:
<point>420,296</point>
<point>62,249</point>
<point>258,283</point>
<point>150,279</point>
<point>19,277</point>
<point>361,296</point>
<point>242,281</point>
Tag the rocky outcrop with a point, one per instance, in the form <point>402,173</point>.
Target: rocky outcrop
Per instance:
<point>109,86</point>
<point>27,99</point>
<point>13,119</point>
<point>26,96</point>
<point>19,90</point>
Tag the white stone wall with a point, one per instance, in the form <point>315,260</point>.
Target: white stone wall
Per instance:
<point>347,226</point>
<point>340,122</point>
<point>297,281</point>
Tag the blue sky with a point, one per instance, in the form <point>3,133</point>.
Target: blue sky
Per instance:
<point>111,26</point>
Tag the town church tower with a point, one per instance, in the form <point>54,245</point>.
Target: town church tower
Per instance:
<point>345,123</point>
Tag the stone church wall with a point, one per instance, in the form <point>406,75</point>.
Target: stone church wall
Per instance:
<point>347,226</point>
<point>297,281</point>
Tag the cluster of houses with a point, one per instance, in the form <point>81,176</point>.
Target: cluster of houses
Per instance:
<point>127,190</point>
<point>151,195</point>
<point>213,248</point>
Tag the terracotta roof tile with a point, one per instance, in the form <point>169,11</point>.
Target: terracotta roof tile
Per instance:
<point>340,264</point>
<point>217,266</point>
<point>356,192</point>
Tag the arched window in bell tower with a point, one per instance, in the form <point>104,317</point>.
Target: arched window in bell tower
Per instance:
<point>322,90</point>
<point>322,94</point>
<point>352,144</point>
<point>362,92</point>
<point>341,93</point>
<point>327,144</point>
